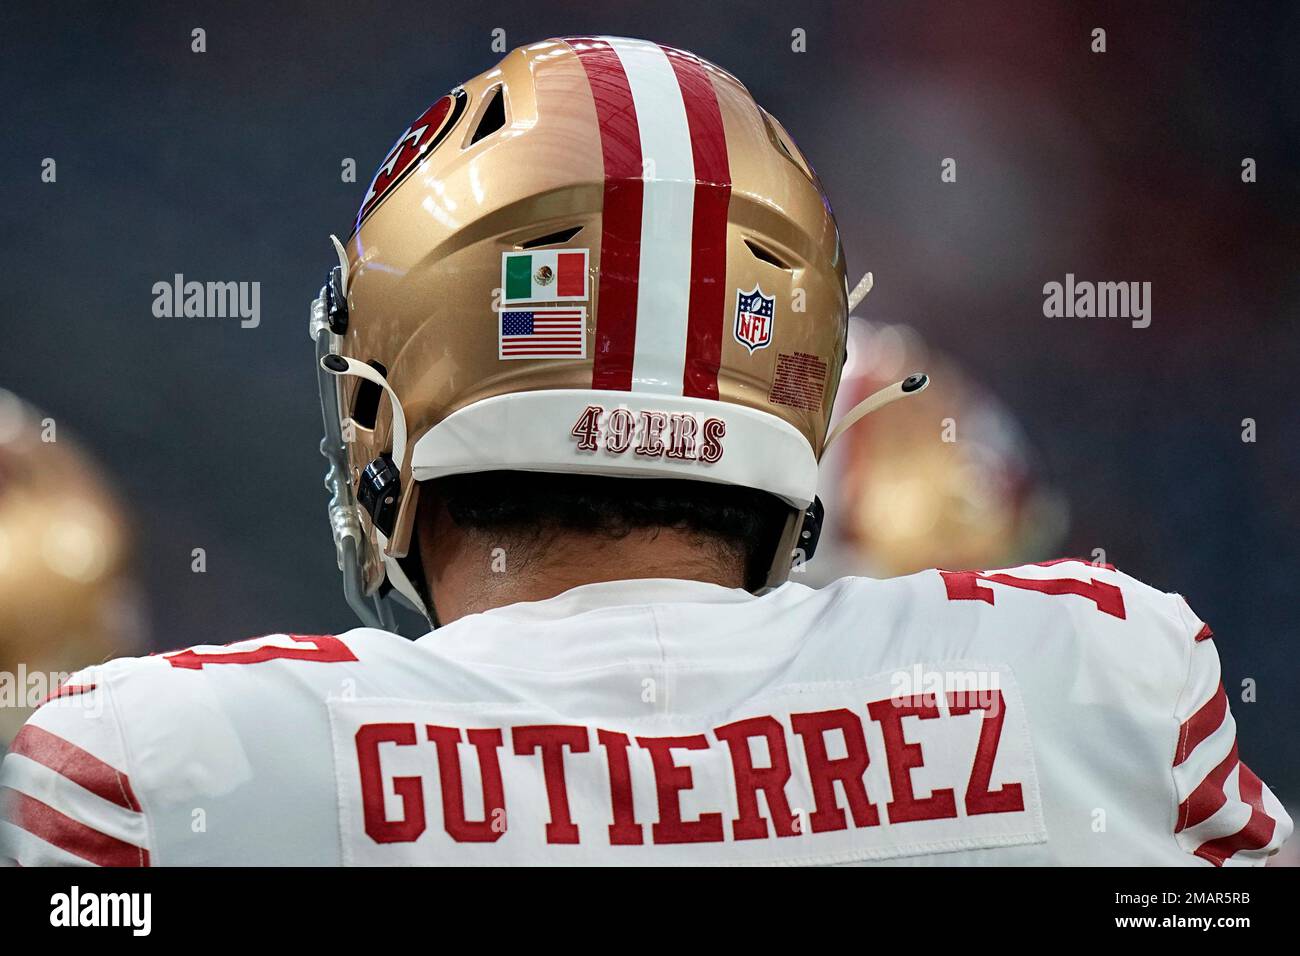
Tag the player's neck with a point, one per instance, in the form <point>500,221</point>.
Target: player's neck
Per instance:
<point>469,573</point>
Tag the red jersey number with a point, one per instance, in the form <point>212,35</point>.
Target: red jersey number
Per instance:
<point>320,648</point>
<point>967,586</point>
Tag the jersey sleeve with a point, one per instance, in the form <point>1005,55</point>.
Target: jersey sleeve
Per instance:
<point>1226,815</point>
<point>65,789</point>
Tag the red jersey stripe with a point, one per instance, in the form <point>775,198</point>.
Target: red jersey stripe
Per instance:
<point>80,766</point>
<point>68,690</point>
<point>1205,801</point>
<point>1256,834</point>
<point>1201,724</point>
<point>43,821</point>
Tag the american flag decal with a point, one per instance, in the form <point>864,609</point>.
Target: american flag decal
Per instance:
<point>543,333</point>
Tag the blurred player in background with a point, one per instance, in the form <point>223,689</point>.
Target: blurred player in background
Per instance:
<point>945,480</point>
<point>66,597</point>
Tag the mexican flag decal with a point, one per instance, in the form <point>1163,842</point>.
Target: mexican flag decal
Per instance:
<point>543,275</point>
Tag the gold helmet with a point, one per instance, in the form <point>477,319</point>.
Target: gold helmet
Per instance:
<point>600,256</point>
<point>67,599</point>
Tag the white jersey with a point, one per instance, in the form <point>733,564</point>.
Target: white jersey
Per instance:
<point>1048,714</point>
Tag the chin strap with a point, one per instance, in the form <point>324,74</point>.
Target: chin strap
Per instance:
<point>329,318</point>
<point>912,385</point>
<point>343,264</point>
<point>856,296</point>
<point>811,528</point>
<point>337,364</point>
<point>381,482</point>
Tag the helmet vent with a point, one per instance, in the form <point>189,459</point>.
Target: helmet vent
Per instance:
<point>763,254</point>
<point>550,239</point>
<point>365,407</point>
<point>783,140</point>
<point>492,118</point>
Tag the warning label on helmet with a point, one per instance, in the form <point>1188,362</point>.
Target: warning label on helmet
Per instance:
<point>800,381</point>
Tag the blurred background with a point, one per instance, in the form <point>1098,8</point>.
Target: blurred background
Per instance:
<point>1073,434</point>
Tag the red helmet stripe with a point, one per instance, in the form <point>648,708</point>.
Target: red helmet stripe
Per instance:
<point>620,233</point>
<point>709,226</point>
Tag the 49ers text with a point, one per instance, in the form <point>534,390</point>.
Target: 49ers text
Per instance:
<point>650,434</point>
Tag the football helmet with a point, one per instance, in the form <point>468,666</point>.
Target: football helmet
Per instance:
<point>67,594</point>
<point>600,256</point>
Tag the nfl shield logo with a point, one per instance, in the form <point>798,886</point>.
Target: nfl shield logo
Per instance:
<point>755,313</point>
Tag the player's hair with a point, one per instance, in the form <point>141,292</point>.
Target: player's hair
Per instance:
<point>524,510</point>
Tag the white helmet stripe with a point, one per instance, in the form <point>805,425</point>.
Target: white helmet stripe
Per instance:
<point>667,214</point>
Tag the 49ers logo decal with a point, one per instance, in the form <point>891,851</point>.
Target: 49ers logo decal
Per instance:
<point>650,434</point>
<point>412,146</point>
